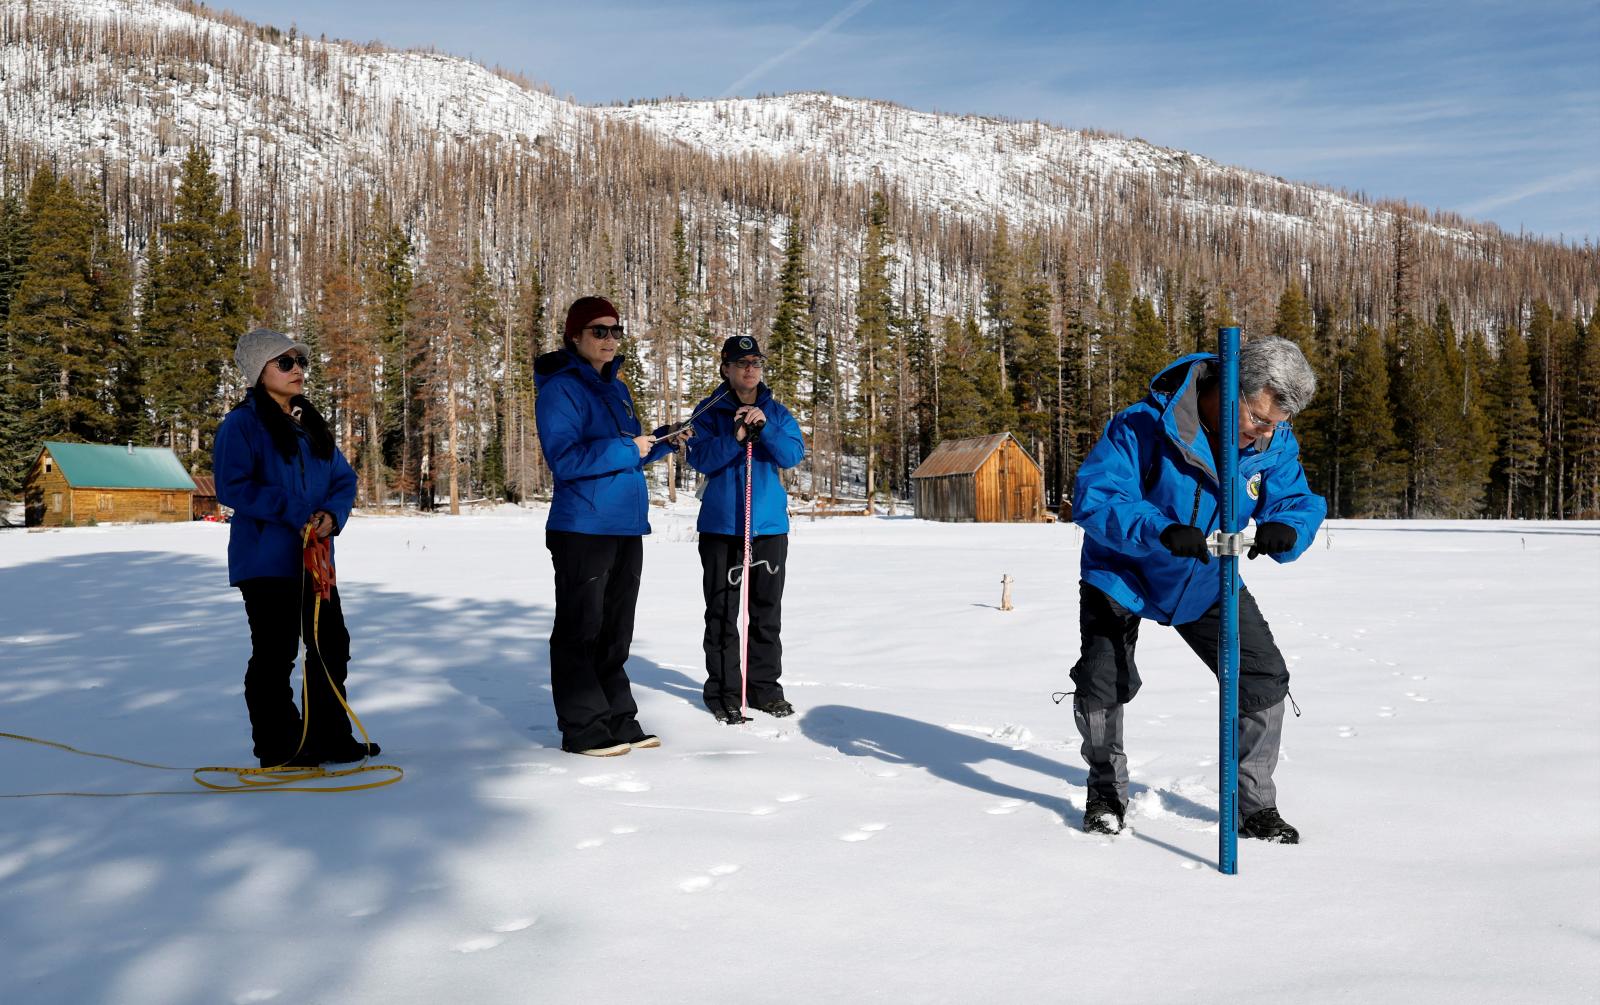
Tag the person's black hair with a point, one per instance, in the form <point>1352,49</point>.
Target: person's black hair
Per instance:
<point>282,428</point>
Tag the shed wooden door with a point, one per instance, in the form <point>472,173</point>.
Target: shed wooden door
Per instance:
<point>1004,475</point>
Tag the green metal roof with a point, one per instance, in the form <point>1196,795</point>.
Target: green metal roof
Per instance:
<point>97,466</point>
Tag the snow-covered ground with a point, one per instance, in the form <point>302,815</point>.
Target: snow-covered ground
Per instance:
<point>911,835</point>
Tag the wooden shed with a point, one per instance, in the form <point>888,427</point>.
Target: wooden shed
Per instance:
<point>987,479</point>
<point>76,483</point>
<point>205,497</point>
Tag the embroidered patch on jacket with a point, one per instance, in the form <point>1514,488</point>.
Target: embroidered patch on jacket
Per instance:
<point>1253,486</point>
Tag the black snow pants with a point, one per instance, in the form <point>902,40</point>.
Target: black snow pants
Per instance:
<point>1106,678</point>
<point>597,585</point>
<point>721,563</point>
<point>279,610</point>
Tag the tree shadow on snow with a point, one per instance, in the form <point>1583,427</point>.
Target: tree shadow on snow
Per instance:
<point>955,757</point>
<point>215,897</point>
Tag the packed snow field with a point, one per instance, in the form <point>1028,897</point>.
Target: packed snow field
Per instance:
<point>911,835</point>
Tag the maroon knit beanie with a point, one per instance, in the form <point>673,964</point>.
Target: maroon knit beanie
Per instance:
<point>583,311</point>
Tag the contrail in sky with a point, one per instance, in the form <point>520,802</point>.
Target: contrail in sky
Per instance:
<point>822,32</point>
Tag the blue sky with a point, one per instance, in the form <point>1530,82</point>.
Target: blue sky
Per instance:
<point>1490,109</point>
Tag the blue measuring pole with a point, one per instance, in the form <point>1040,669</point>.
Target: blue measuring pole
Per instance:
<point>1228,631</point>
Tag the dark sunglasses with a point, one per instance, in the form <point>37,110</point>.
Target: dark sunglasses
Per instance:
<point>607,331</point>
<point>286,363</point>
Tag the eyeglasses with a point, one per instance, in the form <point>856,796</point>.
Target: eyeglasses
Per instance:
<point>607,331</point>
<point>1253,420</point>
<point>286,363</point>
<point>747,364</point>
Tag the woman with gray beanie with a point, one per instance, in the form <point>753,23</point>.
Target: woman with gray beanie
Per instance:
<point>277,467</point>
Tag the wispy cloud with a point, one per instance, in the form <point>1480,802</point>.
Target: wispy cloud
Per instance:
<point>1567,181</point>
<point>823,32</point>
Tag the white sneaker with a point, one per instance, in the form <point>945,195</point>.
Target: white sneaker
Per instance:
<point>614,750</point>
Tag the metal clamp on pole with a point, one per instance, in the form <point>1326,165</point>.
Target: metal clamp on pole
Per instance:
<point>1232,545</point>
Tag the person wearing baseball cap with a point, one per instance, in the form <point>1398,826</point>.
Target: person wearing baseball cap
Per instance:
<point>741,412</point>
<point>278,469</point>
<point>599,514</point>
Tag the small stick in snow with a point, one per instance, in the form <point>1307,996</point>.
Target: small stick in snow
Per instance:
<point>1005,592</point>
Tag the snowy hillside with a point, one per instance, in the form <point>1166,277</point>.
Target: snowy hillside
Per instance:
<point>971,166</point>
<point>300,112</point>
<point>297,111</point>
<point>910,836</point>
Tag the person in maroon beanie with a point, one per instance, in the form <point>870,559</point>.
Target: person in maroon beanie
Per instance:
<point>599,514</point>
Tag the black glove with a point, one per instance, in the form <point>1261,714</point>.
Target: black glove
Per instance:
<point>1185,541</point>
<point>1272,538</point>
<point>752,433</point>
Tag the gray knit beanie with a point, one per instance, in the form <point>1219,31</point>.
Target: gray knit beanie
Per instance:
<point>260,346</point>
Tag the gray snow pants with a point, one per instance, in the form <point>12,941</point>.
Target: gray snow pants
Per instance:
<point>1106,678</point>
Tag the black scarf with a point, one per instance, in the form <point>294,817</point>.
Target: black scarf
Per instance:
<point>281,426</point>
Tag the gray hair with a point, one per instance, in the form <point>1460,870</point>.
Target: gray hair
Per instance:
<point>1278,366</point>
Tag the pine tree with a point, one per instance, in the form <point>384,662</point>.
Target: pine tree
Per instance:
<point>874,331</point>
<point>1521,447</point>
<point>1296,322</point>
<point>1583,428</point>
<point>525,340</point>
<point>1144,352</point>
<point>1197,336</point>
<point>199,303</point>
<point>1116,307</point>
<point>969,382</point>
<point>1002,304</point>
<point>1370,459</point>
<point>14,248</point>
<point>389,289</point>
<point>17,439</point>
<point>787,347</point>
<point>1033,384</point>
<point>64,321</point>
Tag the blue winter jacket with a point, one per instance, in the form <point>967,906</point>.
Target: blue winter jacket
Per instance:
<point>1154,467</point>
<point>272,497</point>
<point>715,453</point>
<point>586,428</point>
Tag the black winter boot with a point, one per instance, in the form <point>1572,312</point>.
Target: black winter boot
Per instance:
<point>727,713</point>
<point>777,708</point>
<point>1266,825</point>
<point>346,749</point>
<point>1102,816</point>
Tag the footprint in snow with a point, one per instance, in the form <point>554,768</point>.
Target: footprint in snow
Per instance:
<point>256,995</point>
<point>479,944</point>
<point>515,925</point>
<point>1346,732</point>
<point>1414,696</point>
<point>588,843</point>
<point>1004,807</point>
<point>621,781</point>
<point>863,832</point>
<point>695,884</point>
<point>790,797</point>
<point>1385,712</point>
<point>624,829</point>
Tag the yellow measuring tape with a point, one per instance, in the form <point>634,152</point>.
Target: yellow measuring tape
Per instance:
<point>279,778</point>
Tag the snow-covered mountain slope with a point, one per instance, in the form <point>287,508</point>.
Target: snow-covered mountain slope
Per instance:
<point>93,78</point>
<point>971,166</point>
<point>137,81</point>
